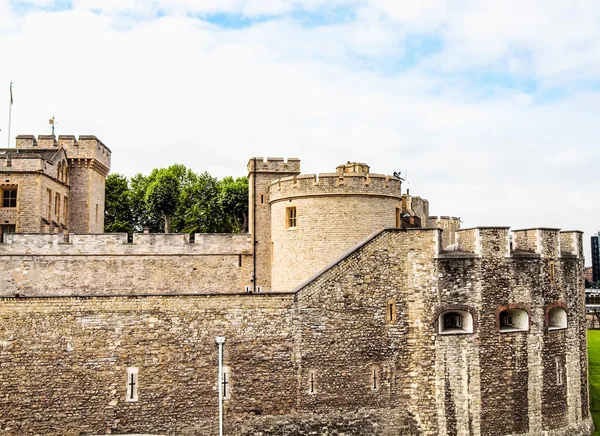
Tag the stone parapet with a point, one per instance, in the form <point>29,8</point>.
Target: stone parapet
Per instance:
<point>274,165</point>
<point>542,241</point>
<point>16,244</point>
<point>499,241</point>
<point>334,184</point>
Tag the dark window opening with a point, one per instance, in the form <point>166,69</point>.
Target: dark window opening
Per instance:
<point>9,198</point>
<point>452,320</point>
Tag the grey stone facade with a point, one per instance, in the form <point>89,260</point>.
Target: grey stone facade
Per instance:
<point>393,336</point>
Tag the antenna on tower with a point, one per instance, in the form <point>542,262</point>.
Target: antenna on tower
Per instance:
<point>398,174</point>
<point>52,123</point>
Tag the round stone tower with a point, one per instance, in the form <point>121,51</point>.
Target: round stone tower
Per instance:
<point>315,219</point>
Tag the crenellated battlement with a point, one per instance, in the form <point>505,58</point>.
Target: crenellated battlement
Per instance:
<point>16,244</point>
<point>334,184</point>
<point>274,165</point>
<point>79,151</point>
<point>501,242</point>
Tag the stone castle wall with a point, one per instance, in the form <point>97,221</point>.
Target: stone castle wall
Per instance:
<point>304,362</point>
<point>334,213</point>
<point>266,171</point>
<point>450,225</point>
<point>50,265</point>
<point>326,228</point>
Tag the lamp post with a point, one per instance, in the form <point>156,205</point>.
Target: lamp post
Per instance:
<point>220,340</point>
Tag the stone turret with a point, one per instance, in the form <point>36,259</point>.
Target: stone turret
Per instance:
<point>260,177</point>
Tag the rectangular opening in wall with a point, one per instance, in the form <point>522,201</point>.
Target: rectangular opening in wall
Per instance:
<point>9,197</point>
<point>49,192</point>
<point>560,364</point>
<point>226,383</point>
<point>262,198</point>
<point>290,213</point>
<point>374,378</point>
<point>96,214</point>
<point>66,210</point>
<point>391,312</point>
<point>312,382</point>
<point>131,386</point>
<point>239,260</point>
<point>551,272</point>
<point>398,224</point>
<point>57,207</point>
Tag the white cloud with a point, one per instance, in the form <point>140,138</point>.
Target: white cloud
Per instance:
<point>178,89</point>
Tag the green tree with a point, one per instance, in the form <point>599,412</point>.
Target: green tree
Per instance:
<point>118,215</point>
<point>162,196</point>
<point>234,201</point>
<point>176,199</point>
<point>143,216</point>
<point>200,210</point>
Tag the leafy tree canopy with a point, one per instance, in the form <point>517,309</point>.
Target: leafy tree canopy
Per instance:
<point>176,199</point>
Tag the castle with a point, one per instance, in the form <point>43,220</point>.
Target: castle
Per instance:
<point>53,185</point>
<point>346,309</point>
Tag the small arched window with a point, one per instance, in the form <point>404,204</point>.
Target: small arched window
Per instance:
<point>514,320</point>
<point>455,322</point>
<point>59,172</point>
<point>557,318</point>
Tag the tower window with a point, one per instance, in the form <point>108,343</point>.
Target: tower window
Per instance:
<point>9,197</point>
<point>514,320</point>
<point>398,223</point>
<point>390,316</point>
<point>57,206</point>
<point>452,320</point>
<point>557,318</point>
<point>66,211</point>
<point>455,322</point>
<point>49,204</point>
<point>291,217</point>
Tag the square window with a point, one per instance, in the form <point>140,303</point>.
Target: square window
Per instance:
<point>291,217</point>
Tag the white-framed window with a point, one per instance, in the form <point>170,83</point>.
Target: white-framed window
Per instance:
<point>557,318</point>
<point>514,320</point>
<point>455,322</point>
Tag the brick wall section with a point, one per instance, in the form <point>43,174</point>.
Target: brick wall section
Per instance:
<point>484,383</point>
<point>54,391</point>
<point>448,224</point>
<point>35,265</point>
<point>326,228</point>
<point>467,240</point>
<point>32,200</point>
<point>334,213</point>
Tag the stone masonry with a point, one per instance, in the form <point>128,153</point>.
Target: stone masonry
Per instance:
<point>59,184</point>
<point>364,326</point>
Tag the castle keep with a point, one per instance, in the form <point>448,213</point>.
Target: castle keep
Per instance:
<point>346,309</point>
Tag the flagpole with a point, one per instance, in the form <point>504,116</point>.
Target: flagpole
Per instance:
<point>10,103</point>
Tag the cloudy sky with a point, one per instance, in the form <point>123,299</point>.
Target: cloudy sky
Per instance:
<point>491,106</point>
